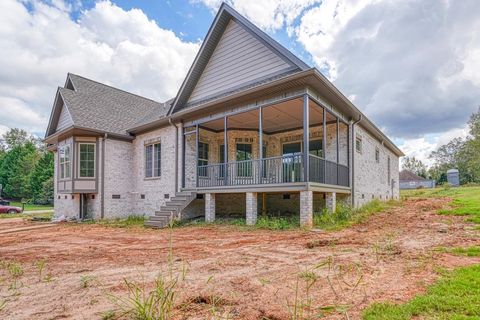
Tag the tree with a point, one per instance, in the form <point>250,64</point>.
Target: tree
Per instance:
<point>15,137</point>
<point>414,165</point>
<point>42,172</point>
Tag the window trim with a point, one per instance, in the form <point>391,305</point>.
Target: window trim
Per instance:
<point>94,160</point>
<point>60,163</point>
<point>152,159</point>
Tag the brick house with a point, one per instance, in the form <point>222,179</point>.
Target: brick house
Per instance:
<point>252,129</point>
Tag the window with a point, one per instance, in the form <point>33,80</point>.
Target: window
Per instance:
<point>153,160</point>
<point>315,148</point>
<point>65,162</point>
<point>377,155</point>
<point>87,160</point>
<point>244,153</point>
<point>202,158</point>
<point>358,144</point>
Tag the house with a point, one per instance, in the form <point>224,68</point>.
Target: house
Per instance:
<point>409,180</point>
<point>252,129</point>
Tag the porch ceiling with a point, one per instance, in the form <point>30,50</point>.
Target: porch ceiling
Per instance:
<point>283,116</point>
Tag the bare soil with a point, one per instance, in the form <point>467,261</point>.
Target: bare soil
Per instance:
<point>247,274</point>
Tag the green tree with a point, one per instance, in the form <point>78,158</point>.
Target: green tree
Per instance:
<point>414,165</point>
<point>41,173</point>
<point>15,169</point>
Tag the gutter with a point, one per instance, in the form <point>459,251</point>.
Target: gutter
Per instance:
<point>353,159</point>
<point>102,209</point>
<point>176,152</point>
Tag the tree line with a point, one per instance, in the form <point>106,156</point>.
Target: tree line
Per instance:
<point>26,168</point>
<point>460,153</point>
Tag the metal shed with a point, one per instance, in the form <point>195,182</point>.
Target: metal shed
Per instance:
<point>453,177</point>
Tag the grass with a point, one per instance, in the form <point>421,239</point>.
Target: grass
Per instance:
<point>465,200</point>
<point>129,222</point>
<point>455,296</point>
<point>32,207</point>
<point>346,216</point>
<point>263,222</point>
<point>473,251</point>
<point>47,215</point>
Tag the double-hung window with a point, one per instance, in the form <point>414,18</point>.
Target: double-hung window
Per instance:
<point>65,162</point>
<point>377,155</point>
<point>87,160</point>
<point>202,159</point>
<point>153,160</point>
<point>358,144</point>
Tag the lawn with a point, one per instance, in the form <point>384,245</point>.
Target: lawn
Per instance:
<point>465,200</point>
<point>455,296</point>
<point>32,207</point>
<point>43,215</point>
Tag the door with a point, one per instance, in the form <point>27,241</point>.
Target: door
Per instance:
<point>83,206</point>
<point>291,168</point>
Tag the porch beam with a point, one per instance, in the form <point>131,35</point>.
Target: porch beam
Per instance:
<point>306,138</point>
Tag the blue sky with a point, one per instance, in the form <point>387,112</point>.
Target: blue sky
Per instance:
<point>410,66</point>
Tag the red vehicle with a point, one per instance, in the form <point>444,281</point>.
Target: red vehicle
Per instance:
<point>5,207</point>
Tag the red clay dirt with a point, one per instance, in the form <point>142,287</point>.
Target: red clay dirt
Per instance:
<point>232,272</point>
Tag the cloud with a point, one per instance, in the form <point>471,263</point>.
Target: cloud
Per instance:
<point>410,64</point>
<point>269,15</point>
<point>39,45</point>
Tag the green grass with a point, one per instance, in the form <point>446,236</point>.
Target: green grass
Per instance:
<point>465,200</point>
<point>345,216</point>
<point>48,215</point>
<point>263,222</point>
<point>32,207</point>
<point>129,222</point>
<point>455,296</point>
<point>473,251</point>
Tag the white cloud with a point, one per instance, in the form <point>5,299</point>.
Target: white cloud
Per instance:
<point>108,44</point>
<point>268,15</point>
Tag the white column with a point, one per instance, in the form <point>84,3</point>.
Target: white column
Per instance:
<point>209,207</point>
<point>252,206</point>
<point>331,201</point>
<point>306,209</point>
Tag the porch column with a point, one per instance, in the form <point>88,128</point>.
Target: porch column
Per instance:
<point>260,144</point>
<point>306,209</point>
<point>225,150</point>
<point>324,146</point>
<point>209,207</point>
<point>306,138</point>
<point>331,201</point>
<point>338,149</point>
<point>252,206</point>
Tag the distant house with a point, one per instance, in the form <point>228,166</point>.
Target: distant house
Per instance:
<point>409,180</point>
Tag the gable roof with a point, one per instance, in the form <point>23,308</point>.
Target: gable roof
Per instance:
<point>406,175</point>
<point>96,106</point>
<point>225,15</point>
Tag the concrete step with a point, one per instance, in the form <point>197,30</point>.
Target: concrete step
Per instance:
<point>163,213</point>
<point>155,224</point>
<point>160,218</point>
<point>172,207</point>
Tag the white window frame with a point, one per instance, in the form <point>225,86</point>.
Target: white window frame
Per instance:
<point>94,160</point>
<point>62,163</point>
<point>154,173</point>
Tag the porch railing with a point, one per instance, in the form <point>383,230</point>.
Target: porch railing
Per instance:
<point>274,170</point>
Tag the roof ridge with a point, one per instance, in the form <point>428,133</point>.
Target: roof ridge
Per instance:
<point>112,87</point>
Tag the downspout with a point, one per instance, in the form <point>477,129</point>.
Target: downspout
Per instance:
<point>353,159</point>
<point>176,153</point>
<point>102,212</point>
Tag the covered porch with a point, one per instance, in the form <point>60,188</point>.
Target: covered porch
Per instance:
<point>288,145</point>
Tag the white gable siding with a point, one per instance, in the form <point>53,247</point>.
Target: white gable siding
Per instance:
<point>64,120</point>
<point>238,59</point>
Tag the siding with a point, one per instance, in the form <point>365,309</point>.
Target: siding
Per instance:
<point>64,120</point>
<point>238,59</point>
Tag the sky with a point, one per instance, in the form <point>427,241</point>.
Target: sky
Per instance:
<point>411,66</point>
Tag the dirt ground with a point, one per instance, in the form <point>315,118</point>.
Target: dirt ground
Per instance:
<point>231,272</point>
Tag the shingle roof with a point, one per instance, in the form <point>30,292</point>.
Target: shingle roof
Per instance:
<point>97,106</point>
<point>406,175</point>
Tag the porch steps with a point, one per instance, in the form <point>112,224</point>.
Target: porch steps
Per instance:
<point>171,210</point>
